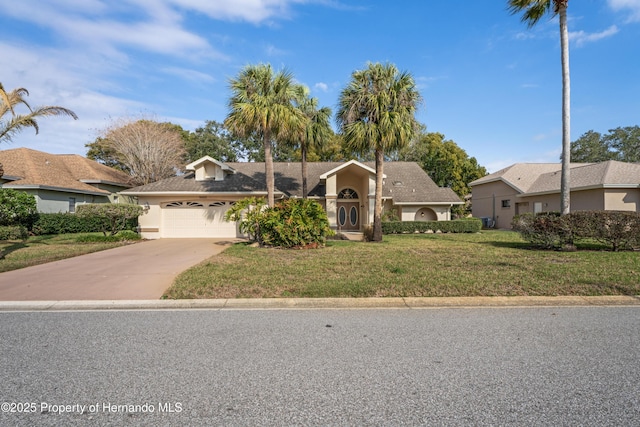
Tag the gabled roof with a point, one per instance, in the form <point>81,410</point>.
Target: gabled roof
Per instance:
<point>609,174</point>
<point>234,183</point>
<point>37,169</point>
<point>193,165</point>
<point>405,182</point>
<point>520,176</point>
<point>543,178</point>
<point>345,165</point>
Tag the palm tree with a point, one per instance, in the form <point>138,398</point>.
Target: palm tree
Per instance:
<point>261,105</point>
<point>16,122</point>
<point>317,130</point>
<point>534,10</point>
<point>376,112</point>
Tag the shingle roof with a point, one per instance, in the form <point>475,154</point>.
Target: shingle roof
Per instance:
<point>238,182</point>
<point>520,175</point>
<point>605,174</point>
<point>63,171</point>
<point>406,182</point>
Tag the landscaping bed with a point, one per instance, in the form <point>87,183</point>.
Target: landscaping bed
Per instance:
<point>490,263</point>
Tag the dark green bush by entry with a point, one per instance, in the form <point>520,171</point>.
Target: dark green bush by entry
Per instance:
<point>620,230</point>
<point>63,223</point>
<point>290,223</point>
<point>465,225</point>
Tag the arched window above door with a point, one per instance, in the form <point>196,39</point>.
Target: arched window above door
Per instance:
<point>348,193</point>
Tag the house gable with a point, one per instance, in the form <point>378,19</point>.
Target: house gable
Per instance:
<point>209,168</point>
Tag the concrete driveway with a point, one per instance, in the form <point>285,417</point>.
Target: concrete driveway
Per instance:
<point>140,271</point>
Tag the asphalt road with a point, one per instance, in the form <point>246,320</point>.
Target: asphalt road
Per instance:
<point>490,366</point>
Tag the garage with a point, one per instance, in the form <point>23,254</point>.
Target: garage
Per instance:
<point>196,219</point>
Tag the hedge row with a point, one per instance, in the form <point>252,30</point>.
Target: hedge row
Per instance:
<point>617,229</point>
<point>62,223</point>
<point>466,225</point>
<point>13,232</point>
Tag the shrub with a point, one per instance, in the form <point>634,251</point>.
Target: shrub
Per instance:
<point>112,217</point>
<point>547,230</point>
<point>618,229</point>
<point>465,225</point>
<point>290,223</point>
<point>63,223</point>
<point>17,208</point>
<point>13,232</point>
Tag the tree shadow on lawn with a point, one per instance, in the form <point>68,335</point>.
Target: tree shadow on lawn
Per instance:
<point>11,248</point>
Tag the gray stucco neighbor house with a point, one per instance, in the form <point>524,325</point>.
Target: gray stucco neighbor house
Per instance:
<point>60,182</point>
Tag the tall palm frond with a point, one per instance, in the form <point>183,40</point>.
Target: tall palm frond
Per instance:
<point>532,11</point>
<point>376,112</point>
<point>261,104</point>
<point>9,127</point>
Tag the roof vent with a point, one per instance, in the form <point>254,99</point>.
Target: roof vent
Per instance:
<point>397,183</point>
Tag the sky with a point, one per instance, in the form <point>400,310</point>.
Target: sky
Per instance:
<point>488,82</point>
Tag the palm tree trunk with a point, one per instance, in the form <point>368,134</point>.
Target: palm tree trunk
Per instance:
<point>377,210</point>
<point>268,169</point>
<point>303,149</point>
<point>565,181</point>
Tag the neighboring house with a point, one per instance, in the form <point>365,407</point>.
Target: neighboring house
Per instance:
<point>193,205</point>
<point>59,182</point>
<point>535,187</point>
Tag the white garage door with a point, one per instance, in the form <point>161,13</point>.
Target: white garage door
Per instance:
<point>196,219</point>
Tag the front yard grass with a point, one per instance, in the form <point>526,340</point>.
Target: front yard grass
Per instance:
<point>491,263</point>
<point>15,254</point>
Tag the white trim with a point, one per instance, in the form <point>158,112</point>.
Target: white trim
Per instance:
<point>585,188</point>
<point>196,193</point>
<point>427,204</point>
<point>62,189</point>
<point>192,166</point>
<point>349,163</point>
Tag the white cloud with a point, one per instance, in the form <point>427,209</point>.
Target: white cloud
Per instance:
<point>581,37</point>
<point>254,11</point>
<point>321,86</point>
<point>187,74</point>
<point>633,6</point>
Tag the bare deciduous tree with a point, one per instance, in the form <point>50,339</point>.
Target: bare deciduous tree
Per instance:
<point>150,150</point>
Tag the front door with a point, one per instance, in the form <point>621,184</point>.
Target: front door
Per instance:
<point>349,216</point>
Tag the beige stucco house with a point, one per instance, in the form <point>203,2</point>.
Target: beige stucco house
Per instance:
<point>60,182</point>
<point>535,187</point>
<point>194,204</point>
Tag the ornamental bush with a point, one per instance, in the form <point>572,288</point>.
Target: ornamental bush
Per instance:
<point>13,232</point>
<point>547,230</point>
<point>464,225</point>
<point>17,208</point>
<point>111,217</point>
<point>617,229</point>
<point>64,223</point>
<point>290,223</point>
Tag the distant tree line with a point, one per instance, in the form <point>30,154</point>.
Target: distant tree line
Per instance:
<point>622,144</point>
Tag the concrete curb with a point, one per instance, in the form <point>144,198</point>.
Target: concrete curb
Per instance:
<point>321,303</point>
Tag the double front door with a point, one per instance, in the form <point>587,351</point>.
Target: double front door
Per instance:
<point>349,216</point>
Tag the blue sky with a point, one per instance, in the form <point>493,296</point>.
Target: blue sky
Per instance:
<point>488,82</point>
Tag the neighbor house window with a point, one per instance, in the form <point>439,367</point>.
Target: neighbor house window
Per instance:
<point>72,205</point>
<point>506,203</point>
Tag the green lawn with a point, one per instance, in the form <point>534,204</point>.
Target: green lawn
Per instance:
<point>42,249</point>
<point>491,263</point>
